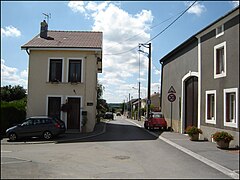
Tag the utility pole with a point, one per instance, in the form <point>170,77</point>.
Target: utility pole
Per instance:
<point>124,107</point>
<point>149,79</point>
<point>139,85</point>
<point>149,75</point>
<point>130,115</point>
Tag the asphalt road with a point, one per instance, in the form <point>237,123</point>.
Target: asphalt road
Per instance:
<point>124,151</point>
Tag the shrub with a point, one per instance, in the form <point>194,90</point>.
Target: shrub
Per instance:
<point>223,135</point>
<point>12,113</point>
<point>191,130</point>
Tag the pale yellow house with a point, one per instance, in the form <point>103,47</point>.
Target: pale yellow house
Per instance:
<point>62,81</point>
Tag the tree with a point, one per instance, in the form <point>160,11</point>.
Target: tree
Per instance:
<point>101,103</point>
<point>12,93</point>
<point>100,89</point>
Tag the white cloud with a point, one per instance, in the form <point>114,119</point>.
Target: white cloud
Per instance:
<point>10,31</point>
<point>119,35</point>
<point>196,9</point>
<point>77,6</point>
<point>11,76</point>
<point>235,3</point>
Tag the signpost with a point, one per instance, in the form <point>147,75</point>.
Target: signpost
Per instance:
<point>171,98</point>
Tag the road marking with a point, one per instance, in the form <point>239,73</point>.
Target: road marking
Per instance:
<point>214,165</point>
<point>5,151</point>
<point>13,160</point>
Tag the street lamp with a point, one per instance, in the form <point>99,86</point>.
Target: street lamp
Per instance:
<point>149,74</point>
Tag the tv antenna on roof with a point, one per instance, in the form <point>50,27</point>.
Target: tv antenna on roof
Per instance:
<point>47,16</point>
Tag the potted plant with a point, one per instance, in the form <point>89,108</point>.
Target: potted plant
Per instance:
<point>223,139</point>
<point>193,132</point>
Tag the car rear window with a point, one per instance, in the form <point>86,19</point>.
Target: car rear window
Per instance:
<point>46,121</point>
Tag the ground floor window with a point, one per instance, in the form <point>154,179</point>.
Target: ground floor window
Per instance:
<point>230,107</point>
<point>210,104</point>
<point>54,107</point>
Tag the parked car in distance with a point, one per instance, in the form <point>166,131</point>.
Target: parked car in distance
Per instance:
<point>156,120</point>
<point>118,114</point>
<point>108,115</point>
<point>38,126</point>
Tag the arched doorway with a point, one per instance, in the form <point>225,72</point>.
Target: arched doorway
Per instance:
<point>191,102</point>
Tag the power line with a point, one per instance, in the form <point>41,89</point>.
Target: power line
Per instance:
<point>154,26</point>
<point>158,33</point>
<point>172,22</point>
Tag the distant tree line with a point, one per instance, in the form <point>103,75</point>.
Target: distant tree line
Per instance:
<point>12,93</point>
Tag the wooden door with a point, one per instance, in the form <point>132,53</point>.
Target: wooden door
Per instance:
<point>73,116</point>
<point>191,102</point>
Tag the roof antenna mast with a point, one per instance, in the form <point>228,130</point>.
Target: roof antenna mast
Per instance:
<point>47,16</point>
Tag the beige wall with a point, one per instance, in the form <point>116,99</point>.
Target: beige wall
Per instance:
<point>39,88</point>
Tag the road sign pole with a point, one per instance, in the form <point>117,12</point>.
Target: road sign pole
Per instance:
<point>171,98</point>
<point>171,117</point>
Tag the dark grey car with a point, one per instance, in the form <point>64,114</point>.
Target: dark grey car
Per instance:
<point>108,115</point>
<point>41,126</point>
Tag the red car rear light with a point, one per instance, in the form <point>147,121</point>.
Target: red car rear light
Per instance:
<point>57,125</point>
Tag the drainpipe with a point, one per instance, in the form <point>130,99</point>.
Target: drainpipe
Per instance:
<point>27,51</point>
<point>161,85</point>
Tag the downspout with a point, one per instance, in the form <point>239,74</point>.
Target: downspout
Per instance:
<point>27,51</point>
<point>161,85</point>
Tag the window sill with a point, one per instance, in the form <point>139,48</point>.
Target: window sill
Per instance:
<point>64,83</point>
<point>220,34</point>
<point>229,124</point>
<point>209,121</point>
<point>216,76</point>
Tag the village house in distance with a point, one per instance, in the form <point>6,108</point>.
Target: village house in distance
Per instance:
<point>63,71</point>
<point>204,71</point>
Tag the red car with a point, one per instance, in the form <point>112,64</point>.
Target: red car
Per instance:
<point>156,120</point>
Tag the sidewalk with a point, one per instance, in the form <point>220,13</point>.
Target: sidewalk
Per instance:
<point>226,161</point>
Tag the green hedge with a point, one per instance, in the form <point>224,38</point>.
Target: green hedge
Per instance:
<point>12,113</point>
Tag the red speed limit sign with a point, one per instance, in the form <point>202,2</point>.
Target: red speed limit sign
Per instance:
<point>171,97</point>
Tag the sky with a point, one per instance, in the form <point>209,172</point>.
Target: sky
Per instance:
<point>124,24</point>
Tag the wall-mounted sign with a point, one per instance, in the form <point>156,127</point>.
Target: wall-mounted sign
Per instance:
<point>171,97</point>
<point>149,101</point>
<point>171,90</point>
<point>89,104</point>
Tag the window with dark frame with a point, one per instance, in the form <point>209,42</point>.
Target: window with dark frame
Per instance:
<point>220,60</point>
<point>231,107</point>
<point>210,106</point>
<point>54,106</point>
<point>75,71</point>
<point>55,73</point>
<point>219,30</point>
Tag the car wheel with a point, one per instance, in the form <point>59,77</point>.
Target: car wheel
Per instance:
<point>47,135</point>
<point>12,136</point>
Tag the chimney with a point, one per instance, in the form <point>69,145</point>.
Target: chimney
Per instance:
<point>44,29</point>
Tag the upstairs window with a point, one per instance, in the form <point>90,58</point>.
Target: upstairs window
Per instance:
<point>75,71</point>
<point>230,107</point>
<point>219,31</point>
<point>220,60</point>
<point>211,107</point>
<point>55,72</point>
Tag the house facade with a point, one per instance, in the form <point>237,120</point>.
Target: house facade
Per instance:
<point>62,80</point>
<point>204,72</point>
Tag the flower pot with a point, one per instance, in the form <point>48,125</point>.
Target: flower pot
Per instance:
<point>223,144</point>
<point>194,137</point>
